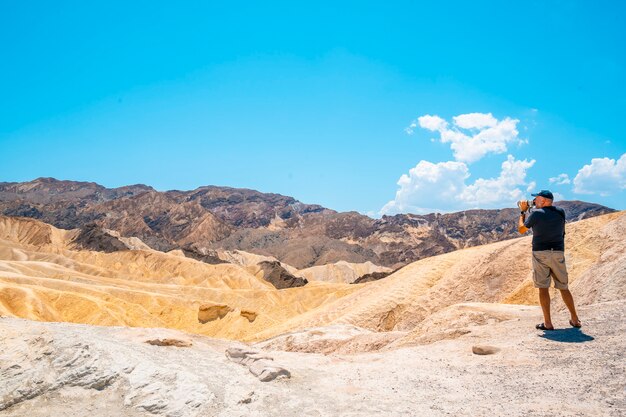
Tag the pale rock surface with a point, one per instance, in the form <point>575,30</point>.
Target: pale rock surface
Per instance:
<point>80,370</point>
<point>335,338</point>
<point>342,271</point>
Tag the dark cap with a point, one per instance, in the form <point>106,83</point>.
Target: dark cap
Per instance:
<point>544,193</point>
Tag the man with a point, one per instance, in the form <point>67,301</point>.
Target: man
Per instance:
<point>548,225</point>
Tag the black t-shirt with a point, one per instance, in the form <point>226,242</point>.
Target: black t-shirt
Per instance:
<point>548,224</point>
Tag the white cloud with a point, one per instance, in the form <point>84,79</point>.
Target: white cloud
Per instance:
<point>475,120</point>
<point>431,187</point>
<point>561,179</point>
<point>531,186</point>
<point>602,176</point>
<point>501,191</point>
<point>432,122</point>
<point>483,134</point>
<point>428,187</point>
<point>411,128</point>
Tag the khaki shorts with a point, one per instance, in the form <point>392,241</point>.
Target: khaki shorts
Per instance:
<point>549,263</point>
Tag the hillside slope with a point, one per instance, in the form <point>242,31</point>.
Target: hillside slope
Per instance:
<point>495,273</point>
<point>41,279</point>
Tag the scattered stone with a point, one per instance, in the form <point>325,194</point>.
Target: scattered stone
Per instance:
<point>245,356</point>
<point>250,315</point>
<point>265,371</point>
<point>259,365</point>
<point>247,399</point>
<point>210,312</point>
<point>237,354</point>
<point>484,350</point>
<point>169,342</point>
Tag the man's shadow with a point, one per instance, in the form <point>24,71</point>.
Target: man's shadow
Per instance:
<point>571,335</point>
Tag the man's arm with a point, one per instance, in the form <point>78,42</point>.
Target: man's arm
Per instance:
<point>520,224</point>
<point>523,205</point>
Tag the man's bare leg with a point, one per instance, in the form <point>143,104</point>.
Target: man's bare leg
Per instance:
<point>569,302</point>
<point>544,300</point>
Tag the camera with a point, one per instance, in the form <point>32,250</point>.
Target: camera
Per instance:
<point>530,204</point>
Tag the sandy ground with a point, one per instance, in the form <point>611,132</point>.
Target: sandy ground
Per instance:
<point>80,370</point>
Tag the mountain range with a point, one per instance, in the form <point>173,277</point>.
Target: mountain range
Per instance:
<point>212,218</point>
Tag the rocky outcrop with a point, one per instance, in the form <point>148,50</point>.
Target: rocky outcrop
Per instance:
<point>374,276</point>
<point>93,237</point>
<point>210,257</point>
<point>279,277</point>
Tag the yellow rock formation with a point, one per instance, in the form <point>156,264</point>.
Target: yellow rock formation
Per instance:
<point>42,279</point>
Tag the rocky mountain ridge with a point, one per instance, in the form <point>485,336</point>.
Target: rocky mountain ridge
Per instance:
<point>223,218</point>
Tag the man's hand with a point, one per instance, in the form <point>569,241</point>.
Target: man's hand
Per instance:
<point>523,205</point>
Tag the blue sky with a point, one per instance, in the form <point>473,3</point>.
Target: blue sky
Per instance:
<point>317,100</point>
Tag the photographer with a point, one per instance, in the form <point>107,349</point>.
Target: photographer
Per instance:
<point>548,225</point>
